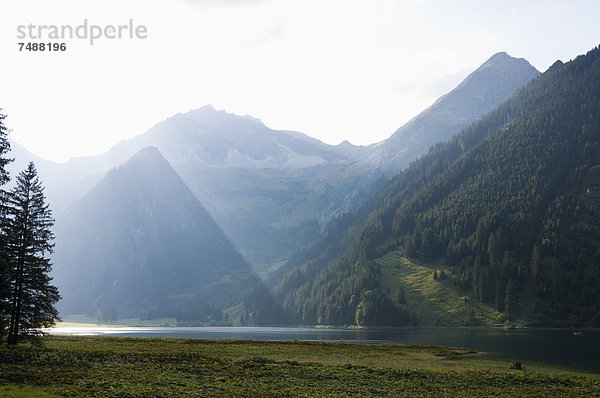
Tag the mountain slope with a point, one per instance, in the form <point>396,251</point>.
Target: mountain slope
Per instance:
<point>350,185</point>
<point>484,89</point>
<point>140,244</point>
<point>64,186</point>
<point>250,178</point>
<point>509,206</point>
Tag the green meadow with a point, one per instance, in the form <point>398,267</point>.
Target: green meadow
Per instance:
<point>436,301</point>
<point>145,367</point>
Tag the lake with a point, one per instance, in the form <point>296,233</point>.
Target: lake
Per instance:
<point>557,347</point>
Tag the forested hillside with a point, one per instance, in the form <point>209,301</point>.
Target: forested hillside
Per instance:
<point>510,206</point>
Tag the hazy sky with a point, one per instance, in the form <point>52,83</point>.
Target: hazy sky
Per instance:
<point>333,69</point>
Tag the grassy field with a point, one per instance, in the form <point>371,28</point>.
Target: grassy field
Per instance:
<point>131,367</point>
<point>438,302</point>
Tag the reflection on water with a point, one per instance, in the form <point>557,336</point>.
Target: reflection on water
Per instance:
<point>559,347</point>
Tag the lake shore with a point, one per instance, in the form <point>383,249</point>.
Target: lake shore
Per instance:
<point>560,347</point>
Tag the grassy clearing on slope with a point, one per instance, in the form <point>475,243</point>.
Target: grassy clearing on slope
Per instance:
<point>436,302</point>
<point>110,366</point>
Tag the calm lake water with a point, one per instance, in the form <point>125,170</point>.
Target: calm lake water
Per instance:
<point>557,347</point>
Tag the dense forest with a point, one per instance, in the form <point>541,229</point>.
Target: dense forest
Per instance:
<point>511,204</point>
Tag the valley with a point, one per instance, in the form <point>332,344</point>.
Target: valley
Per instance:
<point>211,217</point>
<point>284,198</point>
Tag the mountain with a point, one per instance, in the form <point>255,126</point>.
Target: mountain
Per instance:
<point>479,93</point>
<point>250,178</point>
<point>64,185</point>
<point>504,215</point>
<point>214,138</point>
<point>273,192</point>
<point>220,139</point>
<point>350,185</point>
<point>22,157</point>
<point>140,244</point>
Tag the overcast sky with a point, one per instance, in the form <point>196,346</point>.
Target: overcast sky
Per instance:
<point>333,69</point>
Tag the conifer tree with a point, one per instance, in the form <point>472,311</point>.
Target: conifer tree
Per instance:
<point>4,148</point>
<point>4,177</point>
<point>28,242</point>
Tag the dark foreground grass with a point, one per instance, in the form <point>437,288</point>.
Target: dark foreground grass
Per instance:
<point>132,367</point>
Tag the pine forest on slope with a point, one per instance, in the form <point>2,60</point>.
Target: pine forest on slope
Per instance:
<point>509,207</point>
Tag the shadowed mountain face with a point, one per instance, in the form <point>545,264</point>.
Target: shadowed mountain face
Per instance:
<point>141,244</point>
<point>484,89</point>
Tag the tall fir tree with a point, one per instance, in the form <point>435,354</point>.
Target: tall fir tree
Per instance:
<point>28,242</point>
<point>4,149</point>
<point>4,267</point>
